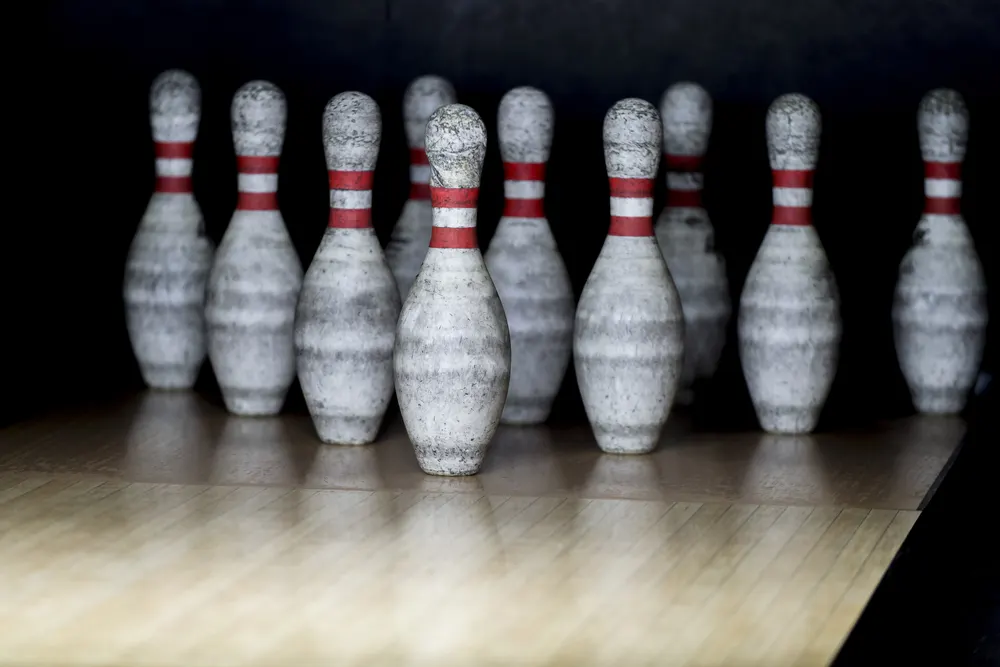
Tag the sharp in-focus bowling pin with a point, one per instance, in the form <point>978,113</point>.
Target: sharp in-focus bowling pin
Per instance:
<point>525,265</point>
<point>254,284</point>
<point>345,324</point>
<point>628,345</point>
<point>170,256</point>
<point>939,313</point>
<point>789,319</point>
<point>412,233</point>
<point>686,235</point>
<point>452,357</point>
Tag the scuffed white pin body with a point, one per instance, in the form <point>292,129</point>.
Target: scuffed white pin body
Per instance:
<point>345,323</point>
<point>628,344</point>
<point>939,311</point>
<point>255,280</point>
<point>525,265</point>
<point>789,319</point>
<point>452,356</point>
<point>411,235</point>
<point>687,237</point>
<point>168,262</point>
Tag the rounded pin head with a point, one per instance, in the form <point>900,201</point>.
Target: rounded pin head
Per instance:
<point>352,131</point>
<point>632,139</point>
<point>175,107</point>
<point>259,114</point>
<point>456,146</point>
<point>793,129</point>
<point>943,126</point>
<point>686,109</point>
<point>423,97</point>
<point>524,122</point>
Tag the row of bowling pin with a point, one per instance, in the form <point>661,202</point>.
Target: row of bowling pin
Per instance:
<point>609,381</point>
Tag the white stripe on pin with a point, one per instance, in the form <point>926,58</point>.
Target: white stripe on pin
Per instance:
<point>173,166</point>
<point>943,188</point>
<point>420,173</point>
<point>350,199</point>
<point>631,207</point>
<point>795,197</point>
<point>524,189</point>
<point>257,182</point>
<point>454,217</point>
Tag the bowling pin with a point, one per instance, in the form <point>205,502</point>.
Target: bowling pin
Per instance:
<point>255,280</point>
<point>412,233</point>
<point>939,312</point>
<point>686,235</point>
<point>170,256</point>
<point>345,324</point>
<point>452,356</point>
<point>789,319</point>
<point>628,345</point>
<point>525,265</point>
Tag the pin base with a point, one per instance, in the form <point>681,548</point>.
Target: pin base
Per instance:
<point>169,378</point>
<point>524,414</point>
<point>627,444</point>
<point>939,401</point>
<point>451,465</point>
<point>350,431</point>
<point>788,420</point>
<point>265,405</point>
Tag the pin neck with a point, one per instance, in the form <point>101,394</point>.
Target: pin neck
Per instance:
<point>454,217</point>
<point>420,175</point>
<point>943,188</point>
<point>684,181</point>
<point>173,166</point>
<point>524,189</point>
<point>792,195</point>
<point>257,182</point>
<point>631,207</point>
<point>350,199</point>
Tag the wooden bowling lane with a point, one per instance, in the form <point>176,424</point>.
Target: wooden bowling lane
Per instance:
<point>162,532</point>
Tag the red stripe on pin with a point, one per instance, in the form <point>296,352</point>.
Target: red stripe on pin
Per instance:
<point>683,162</point>
<point>453,237</point>
<point>796,216</point>
<point>351,180</point>
<point>257,201</point>
<point>257,164</point>
<point>792,178</point>
<point>524,208</point>
<point>454,197</point>
<point>173,184</point>
<point>946,170</point>
<point>631,188</point>
<point>418,156</point>
<point>943,205</point>
<point>174,150</point>
<point>524,171</point>
<point>683,199</point>
<point>420,191</point>
<point>350,218</point>
<point>630,226</point>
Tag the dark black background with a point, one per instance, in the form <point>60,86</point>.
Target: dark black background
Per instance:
<point>866,63</point>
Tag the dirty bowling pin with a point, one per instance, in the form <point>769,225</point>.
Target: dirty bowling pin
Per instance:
<point>452,356</point>
<point>789,319</point>
<point>255,280</point>
<point>525,265</point>
<point>939,313</point>
<point>412,233</point>
<point>686,235</point>
<point>628,345</point>
<point>345,323</point>
<point>170,256</point>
